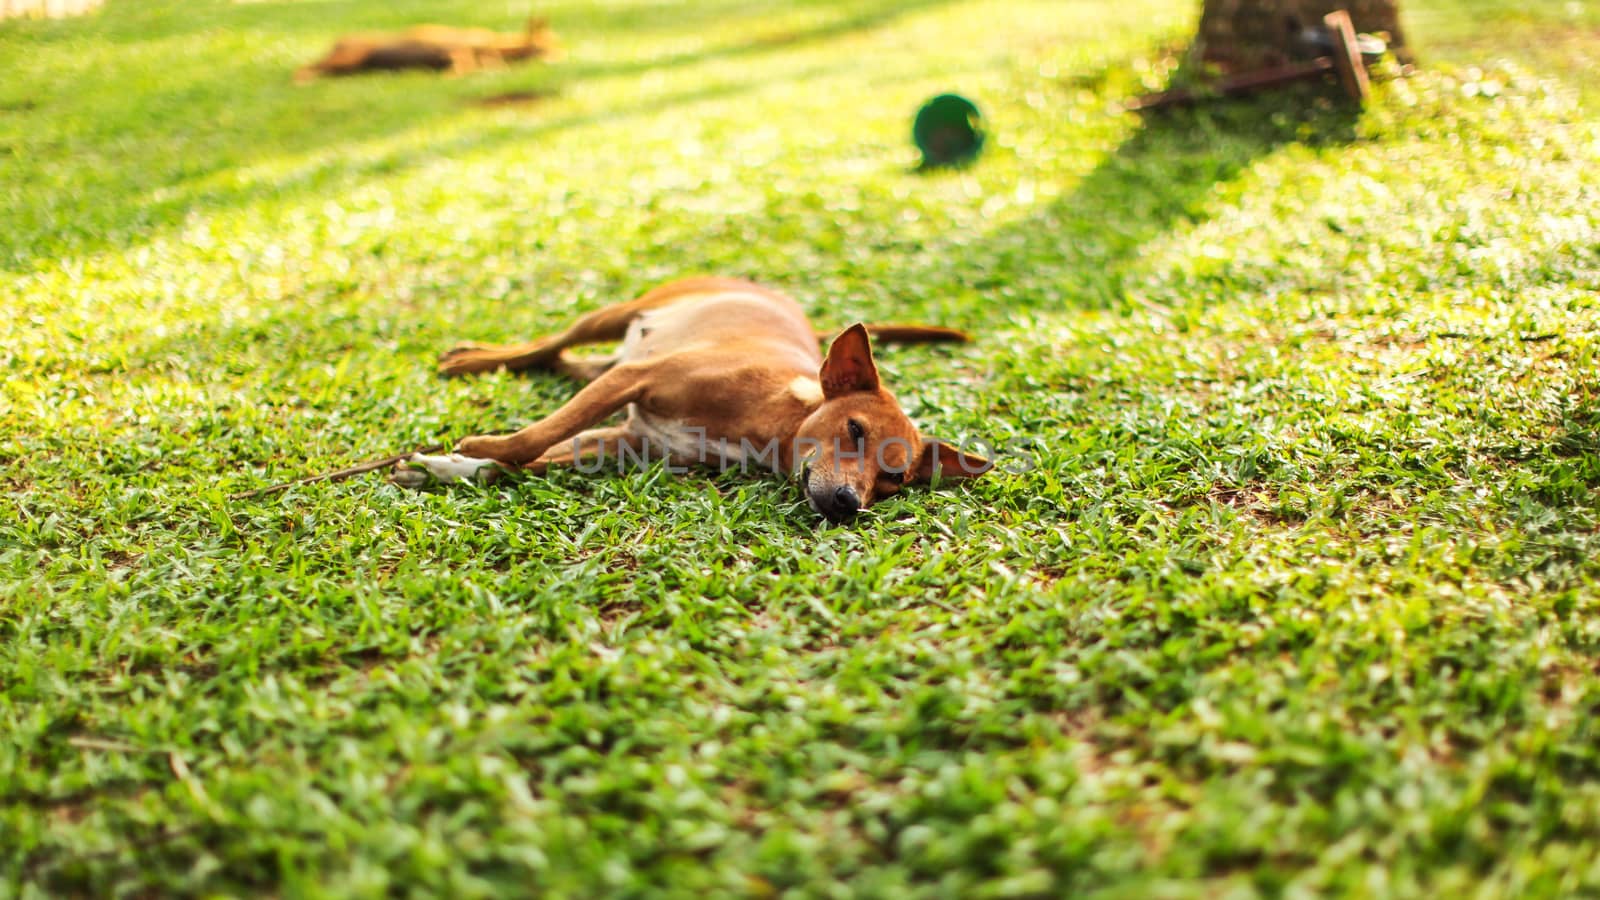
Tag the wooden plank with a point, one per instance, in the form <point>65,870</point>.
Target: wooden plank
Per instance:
<point>1347,55</point>
<point>1236,85</point>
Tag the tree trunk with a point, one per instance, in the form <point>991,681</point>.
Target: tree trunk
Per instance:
<point>1240,35</point>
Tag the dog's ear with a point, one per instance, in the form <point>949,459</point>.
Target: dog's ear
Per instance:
<point>849,367</point>
<point>944,461</point>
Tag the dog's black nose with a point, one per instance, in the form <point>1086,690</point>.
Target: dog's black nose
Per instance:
<point>846,501</point>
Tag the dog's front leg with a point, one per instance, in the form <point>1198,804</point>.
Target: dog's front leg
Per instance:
<point>598,399</point>
<point>594,450</point>
<point>596,447</point>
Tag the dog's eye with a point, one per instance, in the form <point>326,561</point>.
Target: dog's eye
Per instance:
<point>893,477</point>
<point>857,433</point>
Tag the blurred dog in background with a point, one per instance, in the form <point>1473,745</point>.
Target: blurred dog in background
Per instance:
<point>439,48</point>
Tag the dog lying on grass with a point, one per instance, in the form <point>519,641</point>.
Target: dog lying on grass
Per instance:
<point>438,48</point>
<point>720,372</point>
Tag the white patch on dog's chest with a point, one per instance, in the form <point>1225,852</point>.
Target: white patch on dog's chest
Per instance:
<point>807,390</point>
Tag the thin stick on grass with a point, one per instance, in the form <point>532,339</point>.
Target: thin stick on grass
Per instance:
<point>340,475</point>
<point>85,742</point>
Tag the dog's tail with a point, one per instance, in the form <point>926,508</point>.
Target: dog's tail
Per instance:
<point>907,334</point>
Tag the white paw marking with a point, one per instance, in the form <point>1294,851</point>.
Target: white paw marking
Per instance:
<point>423,468</point>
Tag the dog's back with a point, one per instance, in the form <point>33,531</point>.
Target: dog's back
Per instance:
<point>536,40</point>
<point>734,320</point>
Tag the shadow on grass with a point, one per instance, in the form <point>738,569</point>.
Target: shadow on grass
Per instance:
<point>863,17</point>
<point>1164,176</point>
<point>165,135</point>
<point>136,21</point>
<point>473,139</point>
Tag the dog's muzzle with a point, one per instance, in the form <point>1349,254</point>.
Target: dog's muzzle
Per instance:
<point>839,504</point>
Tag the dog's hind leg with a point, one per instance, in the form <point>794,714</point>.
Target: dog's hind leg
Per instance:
<point>608,323</point>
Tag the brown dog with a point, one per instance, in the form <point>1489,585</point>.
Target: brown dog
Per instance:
<point>435,47</point>
<point>715,371</point>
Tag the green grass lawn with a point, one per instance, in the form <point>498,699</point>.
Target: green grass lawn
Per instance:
<point>1300,594</point>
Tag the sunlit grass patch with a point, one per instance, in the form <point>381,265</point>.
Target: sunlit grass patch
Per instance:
<point>1287,582</point>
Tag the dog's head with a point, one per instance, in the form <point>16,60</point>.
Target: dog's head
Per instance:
<point>858,446</point>
<point>539,40</point>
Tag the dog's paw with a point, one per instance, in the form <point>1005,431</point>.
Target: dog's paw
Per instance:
<point>421,470</point>
<point>409,474</point>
